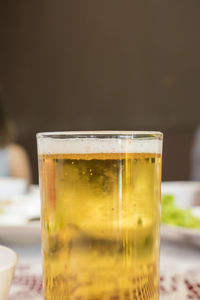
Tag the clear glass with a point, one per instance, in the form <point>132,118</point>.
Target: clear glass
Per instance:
<point>100,214</point>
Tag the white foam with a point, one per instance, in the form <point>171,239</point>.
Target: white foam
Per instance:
<point>98,145</point>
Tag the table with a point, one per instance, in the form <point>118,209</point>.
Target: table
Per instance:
<point>180,272</point>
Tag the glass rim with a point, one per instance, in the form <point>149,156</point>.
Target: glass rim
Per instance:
<point>100,134</point>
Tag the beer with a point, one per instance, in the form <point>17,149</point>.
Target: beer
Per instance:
<point>100,220</point>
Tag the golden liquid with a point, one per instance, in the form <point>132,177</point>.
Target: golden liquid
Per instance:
<point>100,226</point>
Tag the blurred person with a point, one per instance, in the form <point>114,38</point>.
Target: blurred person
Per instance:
<point>13,158</point>
<point>195,156</point>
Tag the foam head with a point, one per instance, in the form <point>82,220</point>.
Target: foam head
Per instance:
<point>87,145</point>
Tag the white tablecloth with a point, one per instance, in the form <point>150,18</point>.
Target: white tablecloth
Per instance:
<point>180,273</point>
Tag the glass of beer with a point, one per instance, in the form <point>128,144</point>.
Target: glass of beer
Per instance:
<point>100,214</point>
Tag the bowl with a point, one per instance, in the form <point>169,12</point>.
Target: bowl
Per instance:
<point>187,193</point>
<point>10,186</point>
<point>187,196</point>
<point>8,261</point>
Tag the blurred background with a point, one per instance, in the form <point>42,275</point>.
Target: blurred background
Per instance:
<point>95,65</point>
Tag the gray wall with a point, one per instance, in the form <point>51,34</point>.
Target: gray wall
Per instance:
<point>133,64</point>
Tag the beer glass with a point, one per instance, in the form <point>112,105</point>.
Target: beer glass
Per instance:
<point>100,214</point>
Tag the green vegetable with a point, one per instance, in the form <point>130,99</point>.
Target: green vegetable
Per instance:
<point>173,215</point>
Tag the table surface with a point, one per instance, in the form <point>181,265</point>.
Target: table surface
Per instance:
<point>177,255</point>
<point>180,272</point>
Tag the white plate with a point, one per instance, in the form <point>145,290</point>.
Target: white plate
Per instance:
<point>12,187</point>
<point>17,211</point>
<point>15,228</point>
<point>187,195</point>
